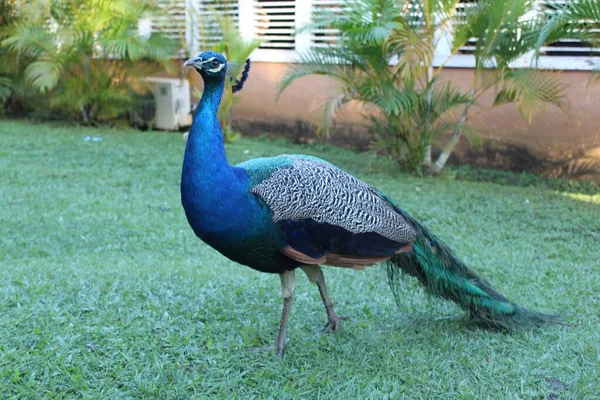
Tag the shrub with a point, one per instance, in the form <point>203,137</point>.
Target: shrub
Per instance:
<point>15,95</point>
<point>88,55</point>
<point>415,108</point>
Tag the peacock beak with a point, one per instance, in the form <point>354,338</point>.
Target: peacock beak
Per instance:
<point>195,62</point>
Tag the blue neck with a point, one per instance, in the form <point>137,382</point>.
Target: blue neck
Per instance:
<point>210,188</point>
<point>204,152</point>
<point>215,196</point>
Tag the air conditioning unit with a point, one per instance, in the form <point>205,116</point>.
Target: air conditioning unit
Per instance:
<point>173,108</point>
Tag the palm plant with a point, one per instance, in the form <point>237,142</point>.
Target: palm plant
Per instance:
<point>7,15</point>
<point>88,54</point>
<point>415,105</point>
<point>371,34</point>
<point>13,92</point>
<point>504,31</point>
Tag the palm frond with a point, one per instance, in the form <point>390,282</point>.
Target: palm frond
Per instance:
<point>126,44</point>
<point>578,20</point>
<point>6,86</point>
<point>472,135</point>
<point>488,73</point>
<point>336,99</point>
<point>501,28</point>
<point>447,97</point>
<point>64,44</point>
<point>444,10</point>
<point>361,21</point>
<point>415,51</point>
<point>328,62</point>
<point>532,92</point>
<point>44,74</point>
<point>390,99</point>
<point>30,39</point>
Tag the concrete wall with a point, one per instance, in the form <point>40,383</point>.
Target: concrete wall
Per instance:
<point>510,142</point>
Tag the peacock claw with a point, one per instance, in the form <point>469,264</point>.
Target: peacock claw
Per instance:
<point>334,323</point>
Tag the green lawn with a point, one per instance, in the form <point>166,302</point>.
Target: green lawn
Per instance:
<point>106,293</point>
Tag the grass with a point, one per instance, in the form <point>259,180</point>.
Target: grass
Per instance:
<point>106,293</point>
<point>525,179</point>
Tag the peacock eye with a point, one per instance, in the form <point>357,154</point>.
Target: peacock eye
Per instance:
<point>215,63</point>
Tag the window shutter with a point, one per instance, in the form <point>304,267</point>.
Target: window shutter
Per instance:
<point>192,22</point>
<point>325,36</point>
<point>462,8</point>
<point>567,47</point>
<point>274,23</point>
<point>171,22</point>
<point>206,30</point>
<point>330,36</point>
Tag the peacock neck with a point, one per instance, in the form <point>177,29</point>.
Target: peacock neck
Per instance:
<point>205,154</point>
<point>214,197</point>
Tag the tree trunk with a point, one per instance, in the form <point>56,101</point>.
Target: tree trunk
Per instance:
<point>427,128</point>
<point>427,157</point>
<point>445,154</point>
<point>443,157</point>
<point>84,116</point>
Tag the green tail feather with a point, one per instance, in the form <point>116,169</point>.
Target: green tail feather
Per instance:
<point>443,274</point>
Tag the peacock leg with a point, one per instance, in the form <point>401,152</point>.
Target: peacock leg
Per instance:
<point>315,274</point>
<point>288,286</point>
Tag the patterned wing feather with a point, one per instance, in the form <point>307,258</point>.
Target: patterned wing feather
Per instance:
<point>324,210</point>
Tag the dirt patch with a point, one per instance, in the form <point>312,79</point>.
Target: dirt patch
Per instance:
<point>353,136</point>
<point>574,164</point>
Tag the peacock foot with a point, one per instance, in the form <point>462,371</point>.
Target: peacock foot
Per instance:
<point>334,323</point>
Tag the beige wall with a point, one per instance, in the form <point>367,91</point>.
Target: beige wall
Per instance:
<point>548,136</point>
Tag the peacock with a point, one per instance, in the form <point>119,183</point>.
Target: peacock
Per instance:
<point>278,214</point>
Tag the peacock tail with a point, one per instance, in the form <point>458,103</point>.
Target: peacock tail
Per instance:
<point>443,274</point>
<point>315,203</point>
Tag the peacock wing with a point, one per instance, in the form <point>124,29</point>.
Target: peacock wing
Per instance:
<point>327,215</point>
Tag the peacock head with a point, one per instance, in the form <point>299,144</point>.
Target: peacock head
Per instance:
<point>209,64</point>
<point>213,66</point>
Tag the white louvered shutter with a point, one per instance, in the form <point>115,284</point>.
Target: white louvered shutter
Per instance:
<point>205,28</point>
<point>170,22</point>
<point>462,9</point>
<point>192,22</point>
<point>325,36</point>
<point>274,22</point>
<point>567,47</point>
<point>329,36</point>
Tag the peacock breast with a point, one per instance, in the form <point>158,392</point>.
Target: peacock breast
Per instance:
<point>234,222</point>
